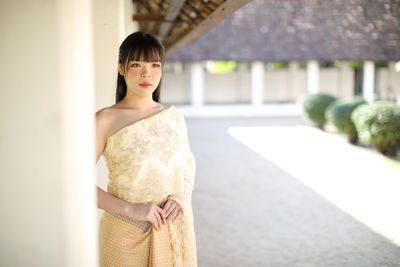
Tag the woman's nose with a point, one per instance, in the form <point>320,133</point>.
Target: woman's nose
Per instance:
<point>145,74</point>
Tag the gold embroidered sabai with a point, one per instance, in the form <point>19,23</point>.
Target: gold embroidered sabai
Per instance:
<point>150,161</point>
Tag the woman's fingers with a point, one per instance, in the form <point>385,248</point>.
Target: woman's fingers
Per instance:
<point>157,222</point>
<point>171,214</point>
<point>169,209</point>
<point>162,213</point>
<point>177,215</point>
<point>174,214</point>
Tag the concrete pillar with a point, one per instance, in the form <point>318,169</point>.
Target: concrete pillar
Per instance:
<point>257,83</point>
<point>75,65</point>
<point>197,84</point>
<point>368,81</point>
<point>312,77</point>
<point>47,190</point>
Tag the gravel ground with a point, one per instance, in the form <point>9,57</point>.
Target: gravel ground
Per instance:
<point>249,212</point>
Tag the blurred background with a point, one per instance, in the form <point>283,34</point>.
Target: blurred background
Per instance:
<point>292,110</point>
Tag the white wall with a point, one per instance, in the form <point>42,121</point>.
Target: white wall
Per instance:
<point>106,38</point>
<point>346,81</point>
<point>112,22</point>
<point>175,87</point>
<point>243,83</point>
<point>284,85</point>
<point>276,86</point>
<point>224,88</point>
<point>329,81</point>
<point>388,83</point>
<point>298,78</point>
<point>106,44</point>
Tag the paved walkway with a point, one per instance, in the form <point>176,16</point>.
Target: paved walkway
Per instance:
<point>264,198</point>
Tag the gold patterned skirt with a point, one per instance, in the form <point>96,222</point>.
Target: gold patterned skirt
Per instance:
<point>124,242</point>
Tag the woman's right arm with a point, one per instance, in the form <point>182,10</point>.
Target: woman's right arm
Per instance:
<point>106,201</point>
<point>144,212</point>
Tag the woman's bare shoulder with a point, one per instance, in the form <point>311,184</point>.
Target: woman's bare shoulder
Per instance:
<point>112,118</point>
<point>105,118</point>
<point>104,114</point>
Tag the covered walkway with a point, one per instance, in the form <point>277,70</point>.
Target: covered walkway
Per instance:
<point>287,194</point>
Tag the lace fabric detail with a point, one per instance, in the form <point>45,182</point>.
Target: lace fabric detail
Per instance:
<point>151,161</point>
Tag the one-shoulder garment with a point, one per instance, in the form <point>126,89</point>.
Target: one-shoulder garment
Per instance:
<point>150,161</point>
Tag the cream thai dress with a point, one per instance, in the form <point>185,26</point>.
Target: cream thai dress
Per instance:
<point>150,161</point>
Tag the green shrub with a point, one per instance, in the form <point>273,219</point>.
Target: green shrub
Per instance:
<point>339,114</point>
<point>378,124</point>
<point>314,106</point>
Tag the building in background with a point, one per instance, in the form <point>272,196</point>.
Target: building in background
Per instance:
<point>283,49</point>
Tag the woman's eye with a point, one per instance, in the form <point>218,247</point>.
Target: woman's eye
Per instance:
<point>156,65</point>
<point>135,65</point>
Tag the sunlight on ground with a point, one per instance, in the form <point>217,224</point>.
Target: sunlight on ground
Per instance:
<point>360,182</point>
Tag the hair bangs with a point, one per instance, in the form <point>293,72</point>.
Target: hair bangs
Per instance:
<point>145,53</point>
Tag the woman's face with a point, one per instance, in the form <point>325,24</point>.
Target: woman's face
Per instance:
<point>142,77</point>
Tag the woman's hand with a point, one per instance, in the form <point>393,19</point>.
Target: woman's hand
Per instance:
<point>172,210</point>
<point>148,212</point>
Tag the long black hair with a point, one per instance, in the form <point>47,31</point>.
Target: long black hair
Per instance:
<point>138,46</point>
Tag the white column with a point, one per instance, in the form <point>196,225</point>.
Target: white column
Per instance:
<point>368,81</point>
<point>312,77</point>
<point>257,83</point>
<point>197,84</point>
<point>75,65</point>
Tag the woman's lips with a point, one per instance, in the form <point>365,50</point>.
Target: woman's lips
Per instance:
<point>145,84</point>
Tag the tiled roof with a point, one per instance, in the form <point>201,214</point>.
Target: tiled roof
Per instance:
<point>285,30</point>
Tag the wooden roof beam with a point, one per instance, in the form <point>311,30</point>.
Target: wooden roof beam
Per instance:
<point>223,11</point>
<point>173,12</point>
<point>148,17</point>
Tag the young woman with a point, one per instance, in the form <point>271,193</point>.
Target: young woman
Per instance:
<point>147,219</point>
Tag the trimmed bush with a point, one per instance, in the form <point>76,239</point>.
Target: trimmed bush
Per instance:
<point>378,124</point>
<point>339,114</point>
<point>314,107</point>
